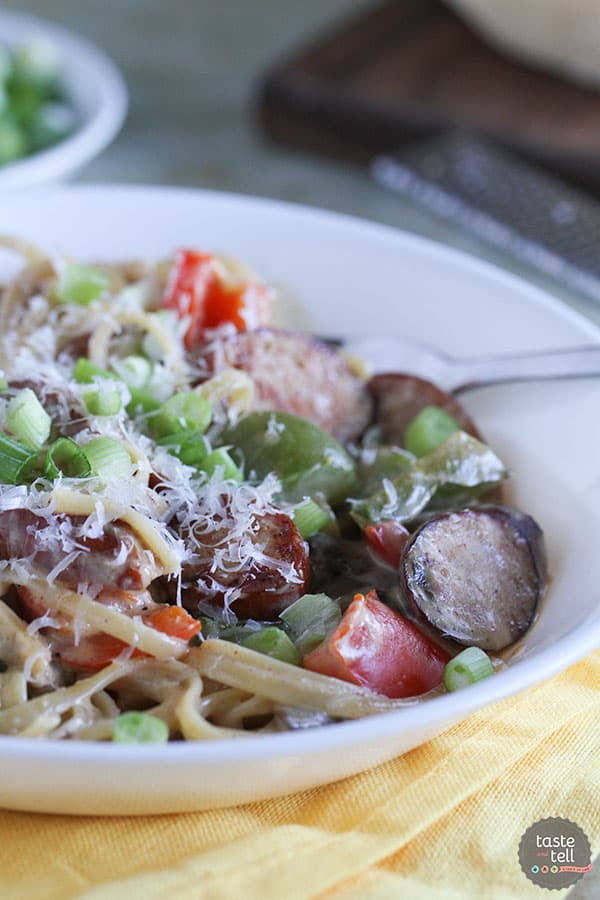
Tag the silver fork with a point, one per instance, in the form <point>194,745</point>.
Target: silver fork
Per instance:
<point>455,375</point>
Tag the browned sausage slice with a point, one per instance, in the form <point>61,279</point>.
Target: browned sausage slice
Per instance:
<point>115,559</point>
<point>298,374</point>
<point>399,398</point>
<point>257,577</point>
<point>477,574</point>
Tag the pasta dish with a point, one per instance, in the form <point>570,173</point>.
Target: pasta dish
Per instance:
<point>210,527</point>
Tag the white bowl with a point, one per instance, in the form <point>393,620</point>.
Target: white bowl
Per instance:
<point>95,88</point>
<point>353,277</point>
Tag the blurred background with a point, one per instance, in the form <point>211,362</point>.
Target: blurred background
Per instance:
<point>194,72</point>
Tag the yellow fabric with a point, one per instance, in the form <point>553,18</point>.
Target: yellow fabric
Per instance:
<point>444,821</point>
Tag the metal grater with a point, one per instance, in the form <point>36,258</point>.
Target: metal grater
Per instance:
<point>510,203</point>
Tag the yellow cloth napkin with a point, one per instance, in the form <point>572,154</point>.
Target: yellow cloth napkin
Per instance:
<point>444,821</point>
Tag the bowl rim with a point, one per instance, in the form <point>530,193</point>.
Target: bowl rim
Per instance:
<point>446,708</point>
<point>96,131</point>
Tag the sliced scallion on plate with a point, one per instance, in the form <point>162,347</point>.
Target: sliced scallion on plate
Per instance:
<point>81,284</point>
<point>27,419</point>
<point>65,457</point>
<point>309,518</point>
<point>470,666</point>
<point>17,462</point>
<point>139,728</point>
<point>108,457</point>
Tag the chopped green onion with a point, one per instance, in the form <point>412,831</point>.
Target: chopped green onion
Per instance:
<point>25,98</point>
<point>3,384</point>
<point>430,428</point>
<point>169,322</point>
<point>273,642</point>
<point>215,628</point>
<point>13,141</point>
<point>5,64</point>
<point>102,401</point>
<point>220,459</point>
<point>81,284</point>
<point>139,728</point>
<point>52,124</point>
<point>470,666</point>
<point>27,419</point>
<point>16,461</point>
<point>181,412</point>
<point>65,457</point>
<point>38,59</point>
<point>108,457</point>
<point>188,446</point>
<point>85,371</point>
<point>310,620</point>
<point>142,401</point>
<point>309,518</point>
<point>135,371</point>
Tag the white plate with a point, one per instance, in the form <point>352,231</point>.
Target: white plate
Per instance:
<point>353,278</point>
<point>94,86</point>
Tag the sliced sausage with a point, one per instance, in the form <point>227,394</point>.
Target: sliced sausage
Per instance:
<point>477,574</point>
<point>295,373</point>
<point>256,576</point>
<point>115,559</point>
<point>399,398</point>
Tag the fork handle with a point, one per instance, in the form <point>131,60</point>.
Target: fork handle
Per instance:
<point>578,362</point>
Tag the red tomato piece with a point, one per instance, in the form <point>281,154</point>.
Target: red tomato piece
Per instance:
<point>174,621</point>
<point>94,652</point>
<point>195,291</point>
<point>386,540</point>
<point>379,649</point>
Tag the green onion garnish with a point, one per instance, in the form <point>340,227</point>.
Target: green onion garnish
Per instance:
<point>273,642</point>
<point>142,401</point>
<point>27,419</point>
<point>37,60</point>
<point>169,322</point>
<point>220,459</point>
<point>17,462</point>
<point>81,284</point>
<point>310,620</point>
<point>182,412</point>
<point>5,63</point>
<point>216,628</point>
<point>13,141</point>
<point>102,401</point>
<point>135,371</point>
<point>471,665</point>
<point>54,121</point>
<point>85,371</point>
<point>430,428</point>
<point>108,457</point>
<point>139,728</point>
<point>188,446</point>
<point>309,518</point>
<point>65,457</point>
<point>3,384</point>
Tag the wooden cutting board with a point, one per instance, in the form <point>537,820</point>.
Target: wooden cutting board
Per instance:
<point>410,68</point>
